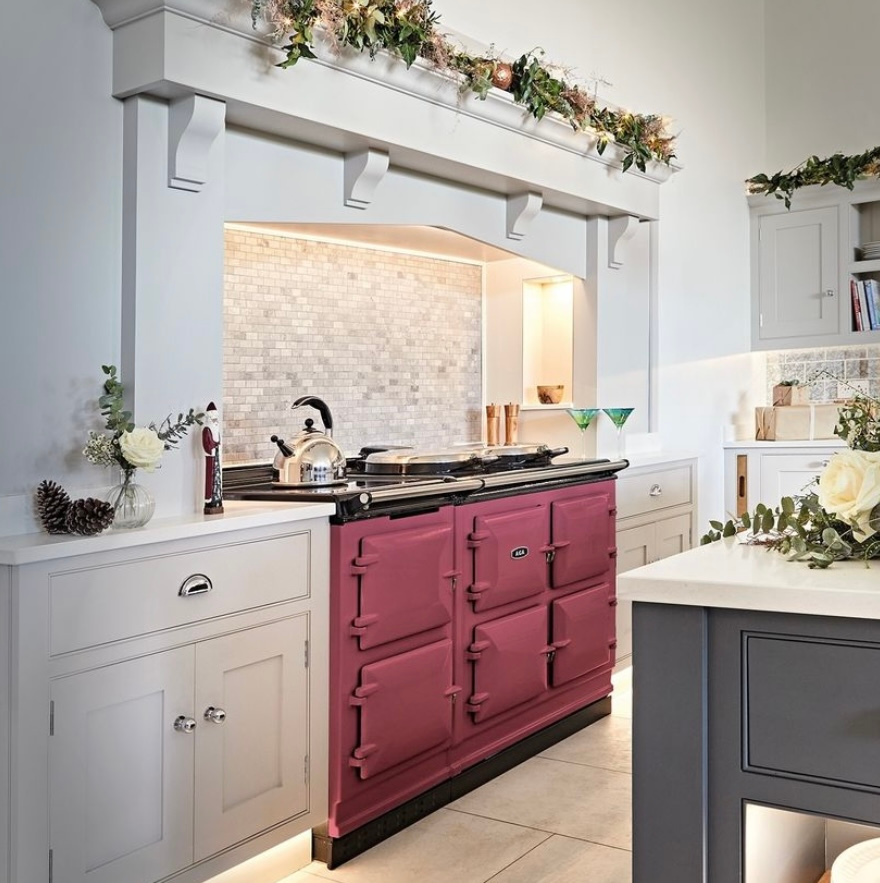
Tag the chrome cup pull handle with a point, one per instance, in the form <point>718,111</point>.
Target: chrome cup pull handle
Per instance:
<point>655,491</point>
<point>197,584</point>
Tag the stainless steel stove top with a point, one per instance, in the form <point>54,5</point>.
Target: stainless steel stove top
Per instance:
<point>365,495</point>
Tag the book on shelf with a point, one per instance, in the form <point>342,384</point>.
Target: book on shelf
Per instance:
<point>869,321</point>
<point>872,293</point>
<point>856,305</point>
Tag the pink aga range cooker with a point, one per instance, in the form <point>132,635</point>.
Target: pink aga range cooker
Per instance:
<point>474,626</point>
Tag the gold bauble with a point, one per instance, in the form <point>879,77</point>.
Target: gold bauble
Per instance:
<point>502,76</point>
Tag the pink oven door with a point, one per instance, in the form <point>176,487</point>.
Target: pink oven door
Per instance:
<point>582,538</point>
<point>404,584</point>
<point>510,556</point>
<point>405,706</point>
<point>510,662</point>
<point>583,633</point>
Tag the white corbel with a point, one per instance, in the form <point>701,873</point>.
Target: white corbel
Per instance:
<point>194,122</point>
<point>522,209</point>
<point>364,171</point>
<point>620,231</point>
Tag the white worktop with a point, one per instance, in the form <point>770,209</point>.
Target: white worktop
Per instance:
<point>732,574</point>
<point>237,515</point>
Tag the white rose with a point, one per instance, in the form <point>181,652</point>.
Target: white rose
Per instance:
<point>850,488</point>
<point>142,447</point>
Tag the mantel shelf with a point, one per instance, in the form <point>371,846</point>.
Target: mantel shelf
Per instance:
<point>349,102</point>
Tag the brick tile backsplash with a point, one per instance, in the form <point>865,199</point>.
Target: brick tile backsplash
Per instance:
<point>844,363</point>
<point>391,341</point>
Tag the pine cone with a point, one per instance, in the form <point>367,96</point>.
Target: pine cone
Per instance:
<point>52,505</point>
<point>89,516</point>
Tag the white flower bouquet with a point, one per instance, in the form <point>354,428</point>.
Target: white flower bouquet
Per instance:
<point>128,446</point>
<point>838,520</point>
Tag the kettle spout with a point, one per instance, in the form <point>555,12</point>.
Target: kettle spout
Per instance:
<point>321,406</point>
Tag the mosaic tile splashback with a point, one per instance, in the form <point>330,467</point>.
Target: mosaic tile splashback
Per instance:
<point>391,341</point>
<point>844,363</point>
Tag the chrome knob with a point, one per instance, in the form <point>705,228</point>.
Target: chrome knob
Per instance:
<point>655,491</point>
<point>184,724</point>
<point>828,292</point>
<point>215,715</point>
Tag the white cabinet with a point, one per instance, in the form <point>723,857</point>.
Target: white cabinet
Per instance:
<point>764,472</point>
<point>655,519</point>
<point>798,275</point>
<point>804,263</point>
<point>186,732</point>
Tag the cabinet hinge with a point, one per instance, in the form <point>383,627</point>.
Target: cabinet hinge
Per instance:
<point>306,654</point>
<point>51,863</point>
<point>306,769</point>
<point>51,717</point>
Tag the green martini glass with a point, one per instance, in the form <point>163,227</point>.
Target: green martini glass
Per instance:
<point>583,417</point>
<point>618,417</point>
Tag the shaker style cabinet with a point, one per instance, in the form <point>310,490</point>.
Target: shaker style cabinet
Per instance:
<point>764,472</point>
<point>184,687</point>
<point>237,707</point>
<point>805,263</point>
<point>655,519</point>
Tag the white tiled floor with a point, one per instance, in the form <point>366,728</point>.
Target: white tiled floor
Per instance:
<point>560,817</point>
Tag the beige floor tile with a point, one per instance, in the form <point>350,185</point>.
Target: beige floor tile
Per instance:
<point>564,860</point>
<point>607,744</point>
<point>563,798</point>
<point>445,847</point>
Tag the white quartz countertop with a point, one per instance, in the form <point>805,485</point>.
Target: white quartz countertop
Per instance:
<point>237,515</point>
<point>732,574</point>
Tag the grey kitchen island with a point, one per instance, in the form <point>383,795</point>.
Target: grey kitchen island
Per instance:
<point>756,685</point>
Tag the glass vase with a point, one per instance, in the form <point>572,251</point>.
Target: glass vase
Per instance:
<point>133,505</point>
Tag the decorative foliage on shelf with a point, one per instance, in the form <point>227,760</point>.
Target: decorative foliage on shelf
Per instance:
<point>129,446</point>
<point>408,29</point>
<point>837,169</point>
<point>838,520</point>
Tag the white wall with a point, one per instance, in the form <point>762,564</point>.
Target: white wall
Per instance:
<point>60,235</point>
<point>702,64</point>
<point>821,68</point>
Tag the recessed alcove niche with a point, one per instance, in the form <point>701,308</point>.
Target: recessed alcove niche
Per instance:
<point>783,846</point>
<point>215,134</point>
<point>548,339</point>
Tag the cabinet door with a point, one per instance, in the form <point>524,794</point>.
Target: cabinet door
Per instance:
<point>784,475</point>
<point>673,535</point>
<point>798,275</point>
<point>635,547</point>
<point>251,768</point>
<point>120,777</point>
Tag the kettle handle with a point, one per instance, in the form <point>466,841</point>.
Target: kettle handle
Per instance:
<point>321,406</point>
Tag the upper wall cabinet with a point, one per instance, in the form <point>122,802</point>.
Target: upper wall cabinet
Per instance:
<point>809,268</point>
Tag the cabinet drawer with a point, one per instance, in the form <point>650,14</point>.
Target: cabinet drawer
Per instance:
<point>811,710</point>
<point>107,603</point>
<point>652,491</point>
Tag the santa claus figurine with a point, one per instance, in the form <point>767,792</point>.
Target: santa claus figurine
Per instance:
<point>213,474</point>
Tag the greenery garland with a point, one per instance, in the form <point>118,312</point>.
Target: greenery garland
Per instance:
<point>837,169</point>
<point>407,28</point>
